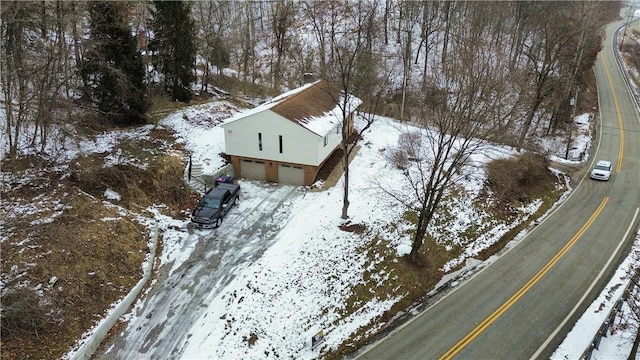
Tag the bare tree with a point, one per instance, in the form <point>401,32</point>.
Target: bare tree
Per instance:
<point>455,119</point>
<point>202,14</point>
<point>315,12</point>
<point>576,59</point>
<point>247,39</point>
<point>543,54</point>
<point>346,49</point>
<point>447,20</point>
<point>388,6</point>
<point>15,72</point>
<point>36,71</point>
<point>212,18</point>
<point>430,25</point>
<point>355,69</point>
<point>520,31</point>
<point>282,16</point>
<point>411,12</point>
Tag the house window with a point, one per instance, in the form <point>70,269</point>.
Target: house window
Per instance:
<point>280,140</point>
<point>260,141</point>
<point>326,140</point>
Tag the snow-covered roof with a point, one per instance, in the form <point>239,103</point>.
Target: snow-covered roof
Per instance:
<point>314,106</point>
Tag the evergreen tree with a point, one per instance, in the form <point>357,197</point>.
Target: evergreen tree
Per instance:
<point>219,54</point>
<point>113,69</point>
<point>175,47</point>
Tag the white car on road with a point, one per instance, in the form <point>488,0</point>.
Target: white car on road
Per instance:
<point>602,170</point>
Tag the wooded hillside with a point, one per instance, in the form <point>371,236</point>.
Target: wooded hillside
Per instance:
<point>74,63</point>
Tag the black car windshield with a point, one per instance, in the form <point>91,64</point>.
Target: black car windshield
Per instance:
<point>602,167</point>
<point>210,203</point>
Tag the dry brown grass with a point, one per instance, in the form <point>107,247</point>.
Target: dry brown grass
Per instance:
<point>160,183</point>
<point>93,249</point>
<point>405,279</point>
<point>236,85</point>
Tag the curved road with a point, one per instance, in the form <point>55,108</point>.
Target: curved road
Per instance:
<point>521,306</point>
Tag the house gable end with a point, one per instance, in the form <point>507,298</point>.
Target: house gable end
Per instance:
<point>312,106</point>
<point>268,119</point>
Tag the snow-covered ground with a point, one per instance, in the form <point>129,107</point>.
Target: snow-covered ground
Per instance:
<point>299,285</point>
<point>619,339</point>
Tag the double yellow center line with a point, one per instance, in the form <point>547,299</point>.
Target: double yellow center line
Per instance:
<point>520,293</point>
<point>619,115</point>
<point>515,297</point>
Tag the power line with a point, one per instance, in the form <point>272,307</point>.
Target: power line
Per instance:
<point>617,128</point>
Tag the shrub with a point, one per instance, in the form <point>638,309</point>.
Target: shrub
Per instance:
<point>24,313</point>
<point>519,179</point>
<point>398,158</point>
<point>408,149</point>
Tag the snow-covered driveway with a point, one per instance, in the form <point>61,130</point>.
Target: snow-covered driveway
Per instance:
<point>196,266</point>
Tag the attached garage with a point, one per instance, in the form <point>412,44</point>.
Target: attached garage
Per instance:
<point>290,174</point>
<point>253,169</point>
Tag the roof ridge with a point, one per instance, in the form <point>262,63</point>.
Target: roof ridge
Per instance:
<point>297,93</point>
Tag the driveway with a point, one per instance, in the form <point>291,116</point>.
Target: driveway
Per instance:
<point>182,289</point>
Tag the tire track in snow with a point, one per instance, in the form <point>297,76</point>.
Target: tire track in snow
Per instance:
<point>163,318</point>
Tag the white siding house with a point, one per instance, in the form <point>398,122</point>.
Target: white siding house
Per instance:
<point>290,137</point>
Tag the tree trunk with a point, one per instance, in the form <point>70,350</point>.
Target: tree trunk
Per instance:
<point>418,237</point>
<point>527,123</point>
<point>447,29</point>
<point>387,9</point>
<point>345,165</point>
<point>634,348</point>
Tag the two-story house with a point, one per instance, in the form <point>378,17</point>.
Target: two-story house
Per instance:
<point>289,138</point>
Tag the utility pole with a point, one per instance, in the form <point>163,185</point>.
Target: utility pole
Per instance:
<point>573,102</point>
<point>624,33</point>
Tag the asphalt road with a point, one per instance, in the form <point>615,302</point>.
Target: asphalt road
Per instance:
<point>182,290</point>
<point>521,306</point>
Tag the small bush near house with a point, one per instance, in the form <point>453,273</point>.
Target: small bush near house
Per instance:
<point>408,149</point>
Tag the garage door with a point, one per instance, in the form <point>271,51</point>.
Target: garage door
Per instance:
<point>288,174</point>
<point>253,170</point>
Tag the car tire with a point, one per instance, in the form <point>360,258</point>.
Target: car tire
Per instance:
<point>218,222</point>
<point>237,200</point>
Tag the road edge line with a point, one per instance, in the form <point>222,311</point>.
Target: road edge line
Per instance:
<point>544,217</point>
<point>593,284</point>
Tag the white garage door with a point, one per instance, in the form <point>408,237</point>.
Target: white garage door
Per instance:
<point>253,170</point>
<point>288,174</point>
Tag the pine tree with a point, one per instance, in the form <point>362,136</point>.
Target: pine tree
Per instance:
<point>219,54</point>
<point>113,70</point>
<point>175,47</point>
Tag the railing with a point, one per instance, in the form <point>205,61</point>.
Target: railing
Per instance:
<point>604,328</point>
<point>617,308</point>
<point>623,67</point>
<point>194,177</point>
